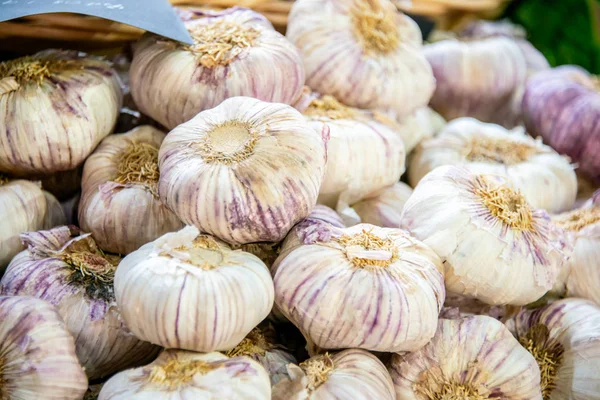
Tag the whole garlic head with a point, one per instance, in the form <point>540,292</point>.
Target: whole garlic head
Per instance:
<point>384,208</point>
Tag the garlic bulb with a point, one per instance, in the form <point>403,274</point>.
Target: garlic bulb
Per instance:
<point>494,245</point>
<point>232,49</point>
<point>120,192</point>
<point>37,353</point>
<point>350,374</point>
<point>68,270</point>
<point>363,52</point>
<point>546,179</point>
<point>59,104</point>
<point>245,171</point>
<point>384,208</point>
<point>197,285</point>
<point>177,374</point>
<point>469,358</point>
<point>421,125</point>
<point>363,287</point>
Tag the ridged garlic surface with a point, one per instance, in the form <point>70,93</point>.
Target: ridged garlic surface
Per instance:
<point>494,245</point>
<point>363,52</point>
<point>473,358</point>
<point>360,287</point>
<point>350,374</point>
<point>421,125</point>
<point>172,82</point>
<point>120,192</point>
<point>190,291</point>
<point>384,208</point>
<point>245,171</point>
<point>37,354</point>
<point>178,374</point>
<point>57,106</point>
<point>546,179</point>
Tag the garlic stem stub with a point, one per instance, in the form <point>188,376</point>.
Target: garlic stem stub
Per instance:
<point>58,105</point>
<point>37,353</point>
<point>120,192</point>
<point>245,171</point>
<point>474,358</point>
<point>172,82</point>
<point>384,208</point>
<point>190,291</point>
<point>178,374</point>
<point>494,245</point>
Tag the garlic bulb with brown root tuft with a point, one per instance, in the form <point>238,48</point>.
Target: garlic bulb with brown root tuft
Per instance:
<point>177,374</point>
<point>245,171</point>
<point>473,358</point>
<point>120,192</point>
<point>57,106</point>
<point>384,208</point>
<point>494,245</point>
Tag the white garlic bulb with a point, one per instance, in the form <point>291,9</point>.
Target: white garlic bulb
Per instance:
<point>384,208</point>
<point>245,171</point>
<point>361,287</point>
<point>37,353</point>
<point>57,106</point>
<point>494,245</point>
<point>363,52</point>
<point>421,125</point>
<point>546,179</point>
<point>120,192</point>
<point>177,374</point>
<point>350,374</point>
<point>197,285</point>
<point>469,358</point>
<point>172,82</point>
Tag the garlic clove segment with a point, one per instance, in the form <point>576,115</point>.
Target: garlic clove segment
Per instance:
<point>245,171</point>
<point>120,192</point>
<point>37,354</point>
<point>384,208</point>
<point>178,374</point>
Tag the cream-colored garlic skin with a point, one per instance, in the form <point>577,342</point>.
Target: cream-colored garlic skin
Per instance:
<point>37,353</point>
<point>178,374</point>
<point>232,49</point>
<point>469,358</point>
<point>185,290</point>
<point>245,171</point>
<point>360,287</point>
<point>495,247</point>
<point>350,374</point>
<point>120,192</point>
<point>546,179</point>
<point>363,52</point>
<point>384,208</point>
<point>421,125</point>
<point>57,106</point>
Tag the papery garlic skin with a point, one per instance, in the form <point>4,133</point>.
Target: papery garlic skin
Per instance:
<point>245,171</point>
<point>546,179</point>
<point>38,355</point>
<point>232,49</point>
<point>361,287</point>
<point>178,374</point>
<point>495,247</point>
<point>350,374</point>
<point>196,284</point>
<point>365,53</point>
<point>60,104</point>
<point>469,358</point>
<point>120,192</point>
<point>384,208</point>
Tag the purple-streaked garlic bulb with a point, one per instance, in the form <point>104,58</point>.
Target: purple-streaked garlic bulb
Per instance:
<point>350,374</point>
<point>363,52</point>
<point>185,289</point>
<point>233,50</point>
<point>37,353</point>
<point>384,208</point>
<point>562,105</point>
<point>178,374</point>
<point>421,125</point>
<point>360,287</point>
<point>59,104</point>
<point>469,358</point>
<point>68,270</point>
<point>120,192</point>
<point>546,179</point>
<point>494,245</point>
<point>245,171</point>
